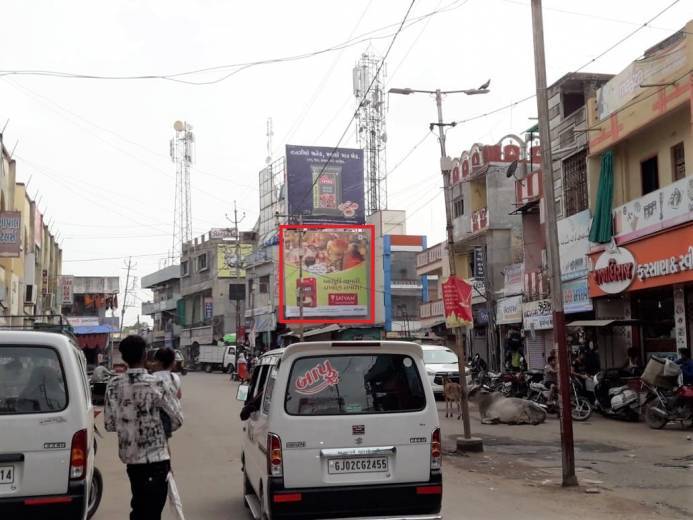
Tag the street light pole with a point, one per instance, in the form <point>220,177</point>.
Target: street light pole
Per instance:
<point>559,339</point>
<point>466,443</point>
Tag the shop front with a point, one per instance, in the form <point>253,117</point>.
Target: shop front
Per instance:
<point>537,322</point>
<point>650,280</point>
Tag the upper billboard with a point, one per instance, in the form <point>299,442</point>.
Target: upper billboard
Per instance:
<point>325,184</point>
<point>337,273</point>
<point>229,265</point>
<point>10,236</point>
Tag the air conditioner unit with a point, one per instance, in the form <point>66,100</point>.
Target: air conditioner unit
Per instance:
<point>30,294</point>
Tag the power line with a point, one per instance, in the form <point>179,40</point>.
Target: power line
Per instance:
<point>238,67</point>
<point>114,257</point>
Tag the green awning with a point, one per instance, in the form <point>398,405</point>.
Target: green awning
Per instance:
<point>602,222</point>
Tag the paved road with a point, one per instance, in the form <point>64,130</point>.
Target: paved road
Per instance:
<point>504,481</point>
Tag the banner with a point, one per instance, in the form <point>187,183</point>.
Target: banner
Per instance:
<point>208,308</point>
<point>227,260</point>
<point>537,315</point>
<point>509,310</point>
<point>514,277</point>
<point>325,184</point>
<point>576,296</point>
<point>457,301</point>
<point>337,272</point>
<point>10,235</point>
<point>66,289</point>
<point>222,233</point>
<point>574,244</point>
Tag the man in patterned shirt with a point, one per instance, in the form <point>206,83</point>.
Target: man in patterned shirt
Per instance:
<point>133,406</point>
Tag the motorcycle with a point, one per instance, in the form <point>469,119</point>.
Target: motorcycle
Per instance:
<point>614,399</point>
<point>663,406</point>
<point>581,410</point>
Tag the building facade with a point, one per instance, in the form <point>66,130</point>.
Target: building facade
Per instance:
<point>163,309</point>
<point>641,186</point>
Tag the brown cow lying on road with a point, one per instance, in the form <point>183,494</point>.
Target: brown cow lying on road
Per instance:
<point>453,394</point>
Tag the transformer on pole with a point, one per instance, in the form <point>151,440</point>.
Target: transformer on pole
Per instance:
<point>370,128</point>
<point>182,155</point>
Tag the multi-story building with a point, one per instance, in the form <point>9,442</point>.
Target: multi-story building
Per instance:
<point>212,287</point>
<point>163,309</point>
<point>641,189</point>
<point>30,257</point>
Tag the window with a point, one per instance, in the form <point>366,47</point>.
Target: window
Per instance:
<point>264,284</point>
<point>185,268</point>
<point>458,208</point>
<point>575,183</point>
<point>202,262</point>
<point>572,101</point>
<point>354,384</point>
<point>267,398</point>
<point>649,175</point>
<point>31,381</point>
<point>678,162</point>
<point>439,357</point>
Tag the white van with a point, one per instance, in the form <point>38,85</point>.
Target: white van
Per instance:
<point>46,428</point>
<point>342,430</point>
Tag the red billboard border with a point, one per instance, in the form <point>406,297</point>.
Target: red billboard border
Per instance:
<point>371,312</point>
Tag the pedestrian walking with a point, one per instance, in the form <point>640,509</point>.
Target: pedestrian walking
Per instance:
<point>242,368</point>
<point>133,407</point>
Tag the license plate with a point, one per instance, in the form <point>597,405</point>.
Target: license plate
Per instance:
<point>358,465</point>
<point>6,474</point>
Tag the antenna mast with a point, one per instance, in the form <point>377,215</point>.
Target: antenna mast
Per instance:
<point>270,134</point>
<point>370,128</point>
<point>182,155</point>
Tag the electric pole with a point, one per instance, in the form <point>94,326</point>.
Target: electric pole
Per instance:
<point>125,295</point>
<point>559,339</point>
<point>238,271</point>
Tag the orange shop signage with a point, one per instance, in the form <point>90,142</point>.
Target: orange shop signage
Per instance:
<point>659,260</point>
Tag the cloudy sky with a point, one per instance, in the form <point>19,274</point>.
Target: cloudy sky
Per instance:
<point>97,150</point>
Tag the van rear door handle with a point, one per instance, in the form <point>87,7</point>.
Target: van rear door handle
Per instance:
<point>358,452</point>
<point>11,457</point>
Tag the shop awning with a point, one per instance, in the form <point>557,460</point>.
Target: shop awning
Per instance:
<point>92,329</point>
<point>315,332</point>
<point>600,323</point>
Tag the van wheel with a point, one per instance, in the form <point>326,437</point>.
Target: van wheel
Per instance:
<point>95,492</point>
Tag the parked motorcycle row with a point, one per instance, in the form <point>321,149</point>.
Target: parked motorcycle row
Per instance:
<point>657,397</point>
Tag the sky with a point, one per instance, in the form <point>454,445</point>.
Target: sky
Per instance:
<point>96,151</point>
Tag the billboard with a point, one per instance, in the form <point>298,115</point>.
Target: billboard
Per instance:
<point>325,184</point>
<point>338,273</point>
<point>66,288</point>
<point>227,260</point>
<point>10,236</point>
<point>574,244</point>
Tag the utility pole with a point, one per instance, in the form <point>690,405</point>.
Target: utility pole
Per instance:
<point>125,295</point>
<point>238,271</point>
<point>559,339</point>
<point>468,443</point>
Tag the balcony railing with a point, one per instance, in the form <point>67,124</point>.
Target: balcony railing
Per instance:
<point>479,220</point>
<point>163,305</point>
<point>431,309</point>
<point>406,284</point>
<point>430,255</point>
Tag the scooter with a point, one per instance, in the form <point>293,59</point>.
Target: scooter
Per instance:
<point>613,399</point>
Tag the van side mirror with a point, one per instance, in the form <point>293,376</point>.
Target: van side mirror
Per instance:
<point>242,393</point>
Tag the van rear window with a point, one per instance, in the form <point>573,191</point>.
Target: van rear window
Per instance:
<point>354,384</point>
<point>31,380</point>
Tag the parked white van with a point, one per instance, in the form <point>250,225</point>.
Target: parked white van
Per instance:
<point>46,428</point>
<point>341,430</point>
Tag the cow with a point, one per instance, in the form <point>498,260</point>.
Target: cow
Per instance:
<point>495,408</point>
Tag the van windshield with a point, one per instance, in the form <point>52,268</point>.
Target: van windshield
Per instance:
<point>354,384</point>
<point>439,357</point>
<point>31,380</point>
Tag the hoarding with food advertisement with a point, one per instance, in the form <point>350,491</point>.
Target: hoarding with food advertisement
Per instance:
<point>337,266</point>
<point>325,184</point>
<point>10,237</point>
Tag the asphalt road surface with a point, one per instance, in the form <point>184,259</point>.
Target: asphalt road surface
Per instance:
<point>501,483</point>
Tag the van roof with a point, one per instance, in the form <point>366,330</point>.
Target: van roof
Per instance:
<point>338,346</point>
<point>27,337</point>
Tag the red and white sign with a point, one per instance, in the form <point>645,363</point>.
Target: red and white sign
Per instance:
<point>317,379</point>
<point>614,270</point>
<point>343,299</point>
<point>457,301</point>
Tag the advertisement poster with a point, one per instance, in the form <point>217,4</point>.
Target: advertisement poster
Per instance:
<point>576,296</point>
<point>227,260</point>
<point>514,277</point>
<point>325,184</point>
<point>537,315</point>
<point>574,244</point>
<point>457,301</point>
<point>10,237</point>
<point>66,288</point>
<point>509,310</point>
<point>209,308</point>
<point>337,273</point>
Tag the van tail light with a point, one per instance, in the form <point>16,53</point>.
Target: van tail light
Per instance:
<point>275,466</point>
<point>78,455</point>
<point>436,452</point>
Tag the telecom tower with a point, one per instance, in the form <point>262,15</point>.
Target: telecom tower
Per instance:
<point>182,155</point>
<point>370,128</point>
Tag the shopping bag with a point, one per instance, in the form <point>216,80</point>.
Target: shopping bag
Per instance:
<point>174,501</point>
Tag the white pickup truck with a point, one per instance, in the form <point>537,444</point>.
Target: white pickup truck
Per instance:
<point>217,357</point>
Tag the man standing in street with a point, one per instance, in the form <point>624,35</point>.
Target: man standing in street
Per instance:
<point>134,402</point>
